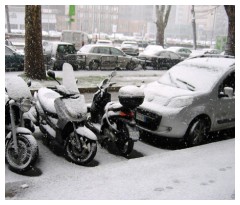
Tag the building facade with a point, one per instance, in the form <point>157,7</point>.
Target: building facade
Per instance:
<point>137,20</point>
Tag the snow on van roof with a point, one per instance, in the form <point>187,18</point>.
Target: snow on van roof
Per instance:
<point>210,61</point>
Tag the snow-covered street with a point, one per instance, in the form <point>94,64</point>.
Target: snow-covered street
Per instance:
<point>202,172</point>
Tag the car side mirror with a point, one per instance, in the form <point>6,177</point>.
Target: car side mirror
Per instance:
<point>228,91</point>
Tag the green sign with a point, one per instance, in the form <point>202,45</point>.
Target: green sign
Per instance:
<point>71,10</point>
<point>221,42</point>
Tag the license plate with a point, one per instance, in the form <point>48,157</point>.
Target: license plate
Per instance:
<point>133,133</point>
<point>140,117</point>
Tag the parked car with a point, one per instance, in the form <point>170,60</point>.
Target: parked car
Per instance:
<point>190,100</point>
<point>130,48</point>
<point>204,51</point>
<point>142,45</point>
<point>98,56</point>
<point>159,59</point>
<point>149,52</point>
<point>14,61</point>
<point>104,42</point>
<point>59,52</point>
<point>183,52</point>
<point>10,44</point>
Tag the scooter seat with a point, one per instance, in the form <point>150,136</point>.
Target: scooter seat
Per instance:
<point>46,98</point>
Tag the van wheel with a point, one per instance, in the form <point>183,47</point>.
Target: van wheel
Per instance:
<point>197,132</point>
<point>94,65</point>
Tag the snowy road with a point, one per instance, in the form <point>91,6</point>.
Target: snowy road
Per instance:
<point>202,172</point>
<point>50,159</point>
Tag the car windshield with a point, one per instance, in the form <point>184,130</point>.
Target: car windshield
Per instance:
<point>193,75</point>
<point>66,49</point>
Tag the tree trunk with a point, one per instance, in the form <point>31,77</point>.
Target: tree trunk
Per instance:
<point>230,46</point>
<point>8,20</point>
<point>34,61</point>
<point>162,14</point>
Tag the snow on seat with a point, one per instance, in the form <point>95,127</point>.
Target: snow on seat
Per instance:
<point>47,97</point>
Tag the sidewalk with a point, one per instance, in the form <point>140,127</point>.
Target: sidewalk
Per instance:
<point>202,172</point>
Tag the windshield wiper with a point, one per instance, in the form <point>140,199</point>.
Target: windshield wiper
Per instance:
<point>189,86</point>
<point>171,78</point>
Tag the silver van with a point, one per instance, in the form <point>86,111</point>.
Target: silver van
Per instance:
<point>191,99</point>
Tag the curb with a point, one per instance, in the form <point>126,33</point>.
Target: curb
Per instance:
<point>88,90</point>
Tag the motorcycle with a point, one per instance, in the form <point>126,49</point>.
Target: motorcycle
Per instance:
<point>21,149</point>
<point>60,112</point>
<point>114,122</point>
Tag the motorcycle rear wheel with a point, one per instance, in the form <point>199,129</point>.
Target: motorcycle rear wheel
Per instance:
<point>124,143</point>
<point>27,153</point>
<point>81,156</point>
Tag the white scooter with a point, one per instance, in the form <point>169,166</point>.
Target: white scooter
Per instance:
<point>60,113</point>
<point>21,149</point>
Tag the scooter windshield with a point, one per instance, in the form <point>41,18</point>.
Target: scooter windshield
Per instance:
<point>69,80</point>
<point>17,88</point>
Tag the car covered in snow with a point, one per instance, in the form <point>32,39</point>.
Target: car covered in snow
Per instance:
<point>183,52</point>
<point>130,48</point>
<point>204,51</point>
<point>59,52</point>
<point>159,58</point>
<point>104,42</point>
<point>14,61</point>
<point>99,56</point>
<point>191,99</point>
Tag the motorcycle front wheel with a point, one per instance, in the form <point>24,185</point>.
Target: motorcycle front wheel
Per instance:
<point>80,155</point>
<point>26,156</point>
<point>124,142</point>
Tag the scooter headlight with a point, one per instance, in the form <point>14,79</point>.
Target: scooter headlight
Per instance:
<point>25,105</point>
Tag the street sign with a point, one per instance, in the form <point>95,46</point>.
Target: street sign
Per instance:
<point>71,10</point>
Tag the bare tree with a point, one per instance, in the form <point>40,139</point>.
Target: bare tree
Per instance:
<point>34,62</point>
<point>162,14</point>
<point>230,46</point>
<point>8,19</point>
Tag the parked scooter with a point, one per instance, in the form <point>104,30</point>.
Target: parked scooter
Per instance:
<point>114,121</point>
<point>21,149</point>
<point>60,113</point>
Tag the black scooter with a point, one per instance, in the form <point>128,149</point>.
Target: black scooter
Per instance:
<point>114,121</point>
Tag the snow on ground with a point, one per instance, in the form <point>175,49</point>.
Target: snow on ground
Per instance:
<point>202,172</point>
<point>93,78</point>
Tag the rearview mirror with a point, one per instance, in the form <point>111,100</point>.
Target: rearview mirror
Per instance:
<point>29,83</point>
<point>51,74</point>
